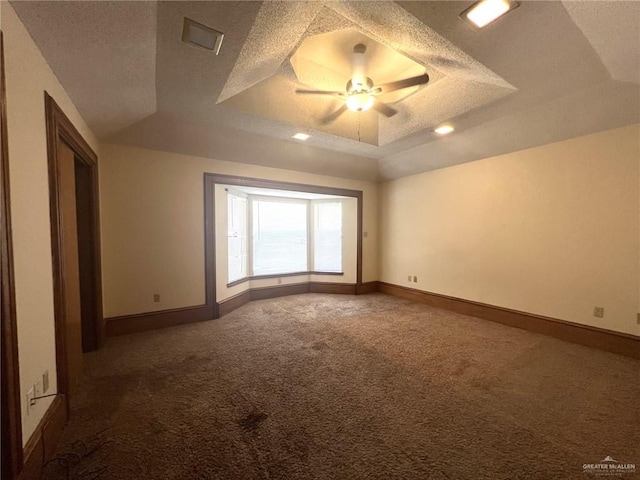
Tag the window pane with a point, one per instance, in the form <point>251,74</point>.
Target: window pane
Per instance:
<point>237,237</point>
<point>279,237</point>
<point>327,247</point>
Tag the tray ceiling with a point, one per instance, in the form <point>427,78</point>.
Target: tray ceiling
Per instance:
<point>548,71</point>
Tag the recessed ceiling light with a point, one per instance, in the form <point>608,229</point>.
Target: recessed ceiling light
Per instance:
<point>301,136</point>
<point>202,36</point>
<point>484,12</point>
<point>444,129</point>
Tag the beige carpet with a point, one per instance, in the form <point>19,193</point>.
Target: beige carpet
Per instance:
<point>343,387</point>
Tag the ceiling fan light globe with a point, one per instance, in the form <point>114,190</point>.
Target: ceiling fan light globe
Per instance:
<point>360,102</point>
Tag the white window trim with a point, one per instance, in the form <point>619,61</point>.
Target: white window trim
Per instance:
<point>239,194</point>
<point>251,198</point>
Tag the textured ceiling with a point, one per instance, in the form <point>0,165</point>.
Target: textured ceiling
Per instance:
<point>596,20</point>
<point>111,77</point>
<point>545,72</point>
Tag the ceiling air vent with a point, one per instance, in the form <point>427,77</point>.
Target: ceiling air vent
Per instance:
<point>202,36</point>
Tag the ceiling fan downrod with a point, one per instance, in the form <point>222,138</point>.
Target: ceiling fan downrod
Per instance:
<point>359,77</point>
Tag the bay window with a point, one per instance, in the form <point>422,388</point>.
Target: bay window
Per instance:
<point>280,235</point>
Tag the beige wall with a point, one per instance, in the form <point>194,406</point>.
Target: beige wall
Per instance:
<point>153,225</point>
<point>552,230</point>
<point>28,76</point>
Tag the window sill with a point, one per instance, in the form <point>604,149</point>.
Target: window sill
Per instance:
<point>279,275</point>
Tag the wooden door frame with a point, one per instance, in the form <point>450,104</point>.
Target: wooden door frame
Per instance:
<point>12,455</point>
<point>61,130</point>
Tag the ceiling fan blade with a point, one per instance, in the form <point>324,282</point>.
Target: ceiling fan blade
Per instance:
<point>384,109</point>
<point>319,92</point>
<point>331,117</point>
<point>400,84</point>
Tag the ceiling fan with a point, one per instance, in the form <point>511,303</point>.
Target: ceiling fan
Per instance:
<point>360,92</point>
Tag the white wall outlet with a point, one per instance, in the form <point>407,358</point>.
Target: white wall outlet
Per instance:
<point>598,312</point>
<point>45,381</point>
<point>156,297</point>
<point>409,278</point>
<point>638,320</point>
<point>365,234</point>
<point>415,279</point>
<point>279,280</point>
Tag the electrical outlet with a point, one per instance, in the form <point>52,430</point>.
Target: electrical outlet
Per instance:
<point>279,281</point>
<point>37,387</point>
<point>365,234</point>
<point>598,312</point>
<point>638,318</point>
<point>29,399</point>
<point>45,381</point>
<point>156,297</point>
<point>409,278</point>
<point>415,279</point>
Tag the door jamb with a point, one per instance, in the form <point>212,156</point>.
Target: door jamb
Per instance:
<point>61,130</point>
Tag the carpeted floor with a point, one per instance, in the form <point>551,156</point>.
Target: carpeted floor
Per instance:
<point>343,387</point>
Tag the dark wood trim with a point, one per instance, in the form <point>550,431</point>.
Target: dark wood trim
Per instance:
<point>359,234</point>
<point>61,130</point>
<point>279,185</point>
<point>330,287</point>
<point>280,275</point>
<point>230,304</point>
<point>142,322</point>
<point>261,293</point>
<point>210,246</point>
<point>210,181</point>
<point>273,291</point>
<point>11,441</point>
<point>42,443</point>
<point>589,336</point>
<point>367,287</point>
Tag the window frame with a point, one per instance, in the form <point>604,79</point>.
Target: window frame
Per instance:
<point>310,204</point>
